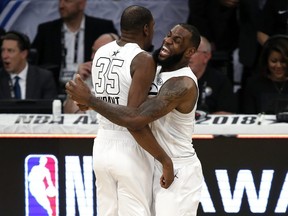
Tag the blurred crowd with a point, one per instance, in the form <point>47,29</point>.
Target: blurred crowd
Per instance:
<point>241,63</point>
<point>248,44</point>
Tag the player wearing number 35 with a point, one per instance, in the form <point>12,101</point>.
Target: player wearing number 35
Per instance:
<point>122,73</point>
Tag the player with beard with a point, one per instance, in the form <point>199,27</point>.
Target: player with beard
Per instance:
<point>169,61</point>
<point>172,116</point>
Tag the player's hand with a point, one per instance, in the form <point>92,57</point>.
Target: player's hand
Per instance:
<point>82,107</point>
<point>168,173</point>
<point>78,90</point>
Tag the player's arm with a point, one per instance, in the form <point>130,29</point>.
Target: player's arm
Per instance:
<point>143,71</point>
<point>177,93</point>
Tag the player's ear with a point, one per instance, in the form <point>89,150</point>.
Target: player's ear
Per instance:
<point>146,30</point>
<point>190,51</point>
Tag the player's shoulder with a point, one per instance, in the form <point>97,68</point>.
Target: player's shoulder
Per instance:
<point>135,51</point>
<point>145,59</point>
<point>182,78</point>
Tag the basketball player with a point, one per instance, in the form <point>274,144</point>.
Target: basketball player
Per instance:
<point>122,73</point>
<point>172,113</point>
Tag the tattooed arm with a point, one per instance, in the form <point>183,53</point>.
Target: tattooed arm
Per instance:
<point>178,93</point>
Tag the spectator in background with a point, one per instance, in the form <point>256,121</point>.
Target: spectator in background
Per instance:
<point>273,20</point>
<point>84,70</point>
<point>64,43</point>
<point>215,89</point>
<point>270,84</point>
<point>217,21</point>
<point>18,78</point>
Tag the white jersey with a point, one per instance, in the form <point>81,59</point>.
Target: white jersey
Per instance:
<point>123,170</point>
<point>174,130</point>
<point>112,78</point>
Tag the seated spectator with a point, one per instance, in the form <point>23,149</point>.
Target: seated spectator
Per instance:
<point>270,84</point>
<point>84,70</point>
<point>64,43</point>
<point>18,78</point>
<point>215,89</point>
<point>273,20</point>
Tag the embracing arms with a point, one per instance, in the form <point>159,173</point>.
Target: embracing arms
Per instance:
<point>177,93</point>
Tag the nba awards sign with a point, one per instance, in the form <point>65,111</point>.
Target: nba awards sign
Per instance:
<point>49,171</point>
<point>42,188</point>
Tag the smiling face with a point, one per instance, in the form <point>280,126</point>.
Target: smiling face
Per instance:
<point>14,59</point>
<point>277,66</point>
<point>176,48</point>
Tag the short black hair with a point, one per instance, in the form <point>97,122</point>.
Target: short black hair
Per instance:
<point>196,37</point>
<point>22,39</point>
<point>135,17</point>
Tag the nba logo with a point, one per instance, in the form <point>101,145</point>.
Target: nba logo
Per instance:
<point>41,185</point>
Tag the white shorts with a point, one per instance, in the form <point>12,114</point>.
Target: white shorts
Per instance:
<point>124,175</point>
<point>183,196</point>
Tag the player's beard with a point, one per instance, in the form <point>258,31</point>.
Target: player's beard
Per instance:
<point>168,62</point>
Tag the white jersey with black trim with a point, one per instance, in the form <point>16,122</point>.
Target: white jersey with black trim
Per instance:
<point>174,130</point>
<point>111,76</point>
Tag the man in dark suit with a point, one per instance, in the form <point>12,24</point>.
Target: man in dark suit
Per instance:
<point>64,43</point>
<point>19,79</point>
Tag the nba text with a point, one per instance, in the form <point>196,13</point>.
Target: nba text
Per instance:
<point>81,198</point>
